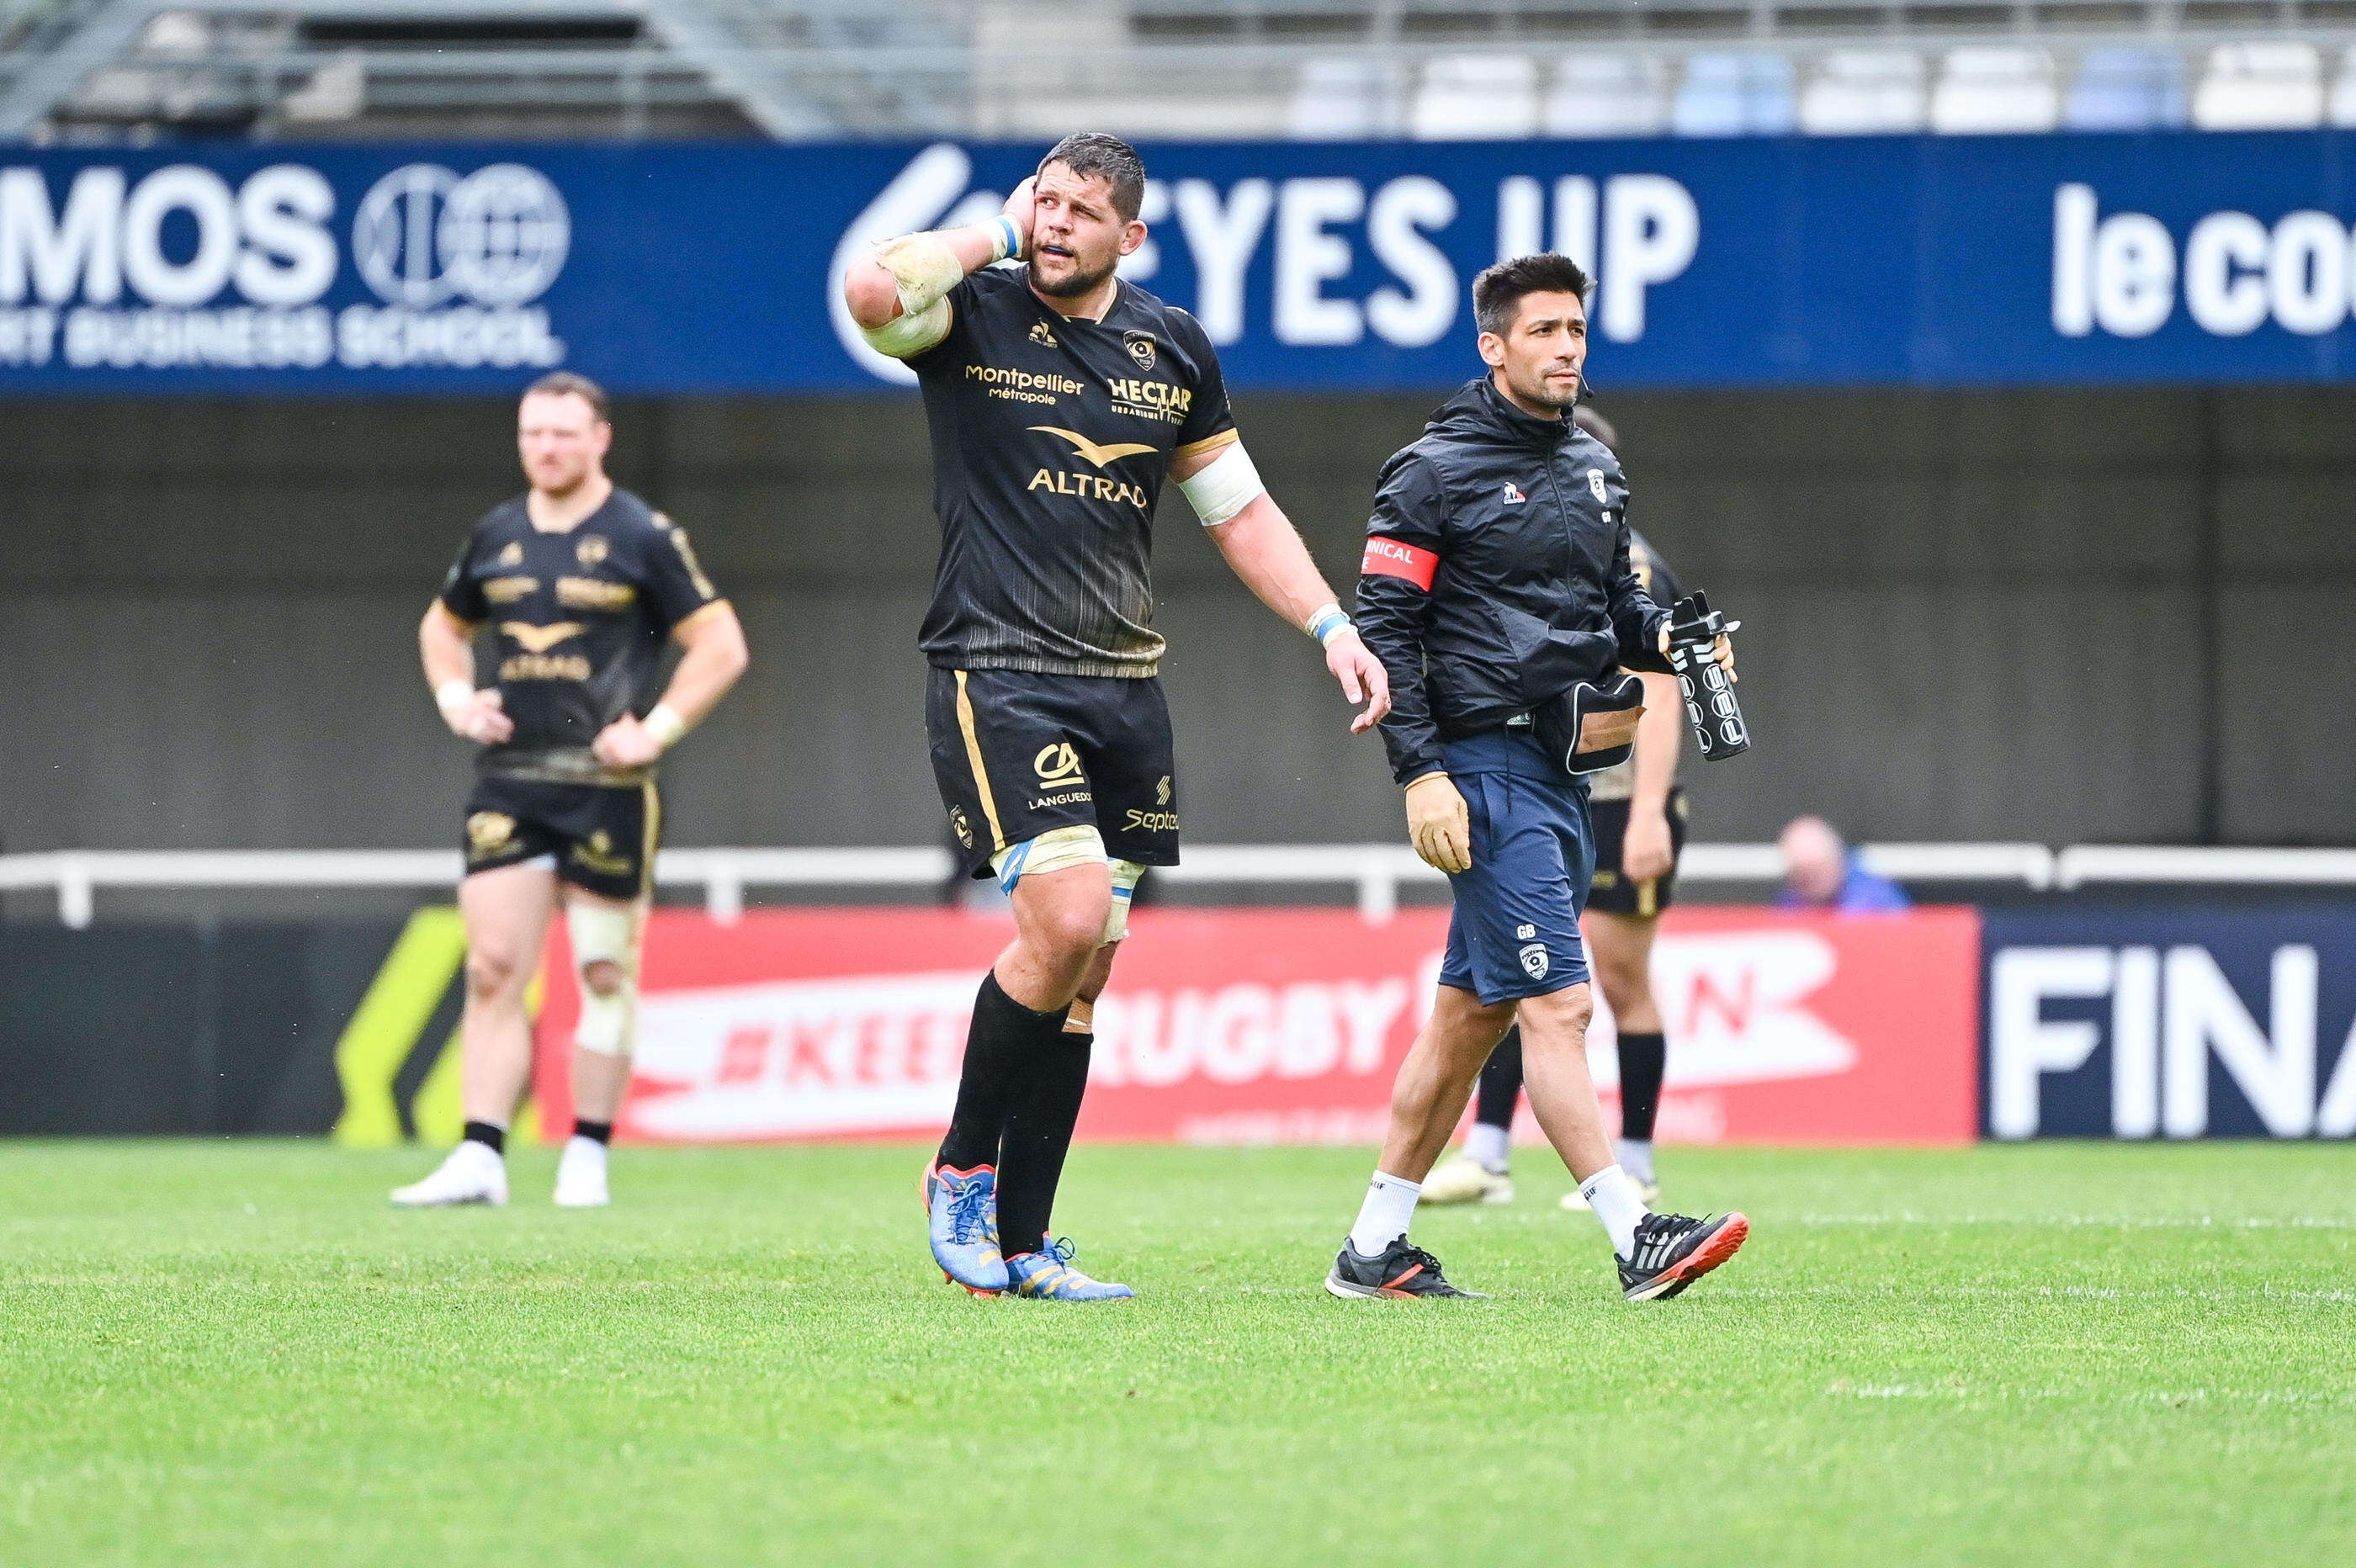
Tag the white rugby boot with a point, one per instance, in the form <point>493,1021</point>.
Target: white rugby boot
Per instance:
<point>1460,1179</point>
<point>472,1174</point>
<point>580,1174</point>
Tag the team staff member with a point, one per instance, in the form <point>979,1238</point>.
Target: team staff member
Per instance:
<point>1639,812</point>
<point>580,582</point>
<point>1060,398</point>
<point>1497,584</point>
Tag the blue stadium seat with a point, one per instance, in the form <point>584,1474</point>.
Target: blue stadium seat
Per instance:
<point>2126,90</point>
<point>1735,95</point>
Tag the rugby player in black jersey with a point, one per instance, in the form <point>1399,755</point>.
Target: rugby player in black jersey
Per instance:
<point>581,583</point>
<point>1059,398</point>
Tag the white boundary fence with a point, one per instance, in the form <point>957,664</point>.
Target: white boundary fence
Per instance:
<point>1376,870</point>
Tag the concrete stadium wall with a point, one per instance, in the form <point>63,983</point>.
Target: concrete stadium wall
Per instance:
<point>2058,616</point>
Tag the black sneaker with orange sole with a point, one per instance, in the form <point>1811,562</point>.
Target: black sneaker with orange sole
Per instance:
<point>1401,1272</point>
<point>1672,1252</point>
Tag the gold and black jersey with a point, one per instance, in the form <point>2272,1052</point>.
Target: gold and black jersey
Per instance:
<point>578,621</point>
<point>1050,440</point>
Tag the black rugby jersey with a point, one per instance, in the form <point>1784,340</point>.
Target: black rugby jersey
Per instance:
<point>578,621</point>
<point>1051,439</point>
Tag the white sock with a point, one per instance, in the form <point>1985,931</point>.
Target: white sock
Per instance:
<point>1613,1197</point>
<point>1635,1157</point>
<point>1383,1217</point>
<point>1485,1146</point>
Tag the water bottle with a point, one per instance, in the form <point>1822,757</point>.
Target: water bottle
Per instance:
<point>1694,630</point>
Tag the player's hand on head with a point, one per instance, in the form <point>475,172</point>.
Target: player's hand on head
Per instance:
<point>625,743</point>
<point>1362,677</point>
<point>1646,851</point>
<point>1019,207</point>
<point>1439,824</point>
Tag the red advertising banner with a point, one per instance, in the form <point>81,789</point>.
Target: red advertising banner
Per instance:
<point>1273,1026</point>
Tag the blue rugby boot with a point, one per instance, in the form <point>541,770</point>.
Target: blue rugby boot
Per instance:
<point>962,1206</point>
<point>1048,1274</point>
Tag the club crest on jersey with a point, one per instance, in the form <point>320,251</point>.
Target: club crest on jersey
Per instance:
<point>592,550</point>
<point>1141,349</point>
<point>1040,336</point>
<point>1534,960</point>
<point>512,555</point>
<point>1513,497</point>
<point>1595,482</point>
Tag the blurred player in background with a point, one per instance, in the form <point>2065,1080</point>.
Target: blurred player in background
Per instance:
<point>1821,872</point>
<point>1639,811</point>
<point>1498,590</point>
<point>584,582</point>
<point>1060,398</point>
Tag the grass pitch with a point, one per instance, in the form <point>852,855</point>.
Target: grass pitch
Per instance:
<point>239,1353</point>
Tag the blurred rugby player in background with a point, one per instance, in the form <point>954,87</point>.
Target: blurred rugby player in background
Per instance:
<point>582,582</point>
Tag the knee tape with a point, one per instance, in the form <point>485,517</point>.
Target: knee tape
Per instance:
<point>1056,850</point>
<point>603,935</point>
<point>1125,877</point>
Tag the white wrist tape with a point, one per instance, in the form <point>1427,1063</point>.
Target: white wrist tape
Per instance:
<point>604,934</point>
<point>1223,487</point>
<point>665,725</point>
<point>453,695</point>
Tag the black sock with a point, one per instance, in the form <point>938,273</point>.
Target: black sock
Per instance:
<point>997,1049</point>
<point>595,1132</point>
<point>1643,1057</point>
<point>484,1133</point>
<point>1039,1121</point>
<point>1501,1081</point>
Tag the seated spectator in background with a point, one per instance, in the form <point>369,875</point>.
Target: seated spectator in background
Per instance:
<point>1820,873</point>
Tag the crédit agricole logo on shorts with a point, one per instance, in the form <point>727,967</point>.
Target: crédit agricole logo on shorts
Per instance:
<point>180,268</point>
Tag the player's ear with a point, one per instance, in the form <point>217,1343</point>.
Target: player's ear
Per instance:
<point>1492,350</point>
<point>1132,235</point>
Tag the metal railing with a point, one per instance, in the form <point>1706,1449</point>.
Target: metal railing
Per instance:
<point>1377,871</point>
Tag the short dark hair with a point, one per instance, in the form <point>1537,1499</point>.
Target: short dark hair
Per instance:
<point>564,383</point>
<point>1088,153</point>
<point>1496,292</point>
<point>1585,417</point>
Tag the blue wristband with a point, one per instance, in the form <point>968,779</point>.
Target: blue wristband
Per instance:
<point>1010,238</point>
<point>1329,623</point>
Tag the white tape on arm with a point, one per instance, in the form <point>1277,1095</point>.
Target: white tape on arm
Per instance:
<point>1223,487</point>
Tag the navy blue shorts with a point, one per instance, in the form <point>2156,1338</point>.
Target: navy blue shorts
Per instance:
<point>1515,932</point>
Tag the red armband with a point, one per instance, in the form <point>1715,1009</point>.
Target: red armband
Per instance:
<point>1392,558</point>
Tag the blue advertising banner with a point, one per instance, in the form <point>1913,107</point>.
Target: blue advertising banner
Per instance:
<point>1749,262</point>
<point>2159,1023</point>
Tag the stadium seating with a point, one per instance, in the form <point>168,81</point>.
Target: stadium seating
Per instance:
<point>1474,97</point>
<point>1735,95</point>
<point>2126,90</point>
<point>2341,111</point>
<point>1863,93</point>
<point>2260,87</point>
<point>1615,94</point>
<point>1343,99</point>
<point>1996,88</point>
<point>1310,70</point>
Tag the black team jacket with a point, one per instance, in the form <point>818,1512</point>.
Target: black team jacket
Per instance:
<point>1496,573</point>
